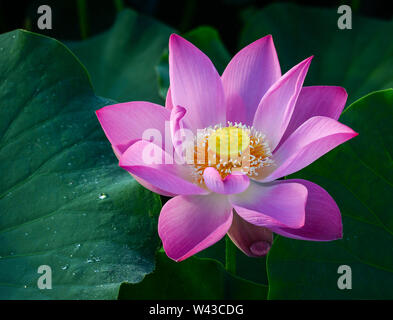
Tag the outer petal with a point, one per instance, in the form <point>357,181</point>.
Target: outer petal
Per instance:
<point>250,73</point>
<point>195,84</point>
<point>323,218</point>
<point>275,204</point>
<point>254,241</point>
<point>146,184</point>
<point>276,107</point>
<point>327,101</point>
<point>310,141</point>
<point>125,123</point>
<point>189,224</point>
<point>153,165</point>
<point>236,182</point>
<point>152,188</point>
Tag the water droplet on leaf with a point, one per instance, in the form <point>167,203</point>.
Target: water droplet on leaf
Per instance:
<point>103,196</point>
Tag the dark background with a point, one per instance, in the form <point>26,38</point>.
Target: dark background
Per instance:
<point>224,15</point>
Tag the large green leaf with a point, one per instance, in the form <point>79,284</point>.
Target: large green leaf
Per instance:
<point>122,60</point>
<point>359,177</point>
<point>194,278</point>
<point>359,59</point>
<point>64,202</point>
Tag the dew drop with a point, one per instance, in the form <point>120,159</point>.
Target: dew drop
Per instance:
<point>102,196</point>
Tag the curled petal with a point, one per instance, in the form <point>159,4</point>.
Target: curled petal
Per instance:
<point>177,129</point>
<point>254,241</point>
<point>189,224</point>
<point>235,182</point>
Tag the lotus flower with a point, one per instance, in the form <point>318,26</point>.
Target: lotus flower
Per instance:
<point>280,125</point>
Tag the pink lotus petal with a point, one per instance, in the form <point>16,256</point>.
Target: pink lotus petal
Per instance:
<point>189,224</point>
<point>276,107</point>
<point>310,141</point>
<point>125,123</point>
<point>327,101</point>
<point>254,241</point>
<point>168,100</point>
<point>177,127</point>
<point>170,178</point>
<point>235,182</point>
<point>250,73</point>
<point>195,84</point>
<point>274,204</point>
<point>152,188</point>
<point>323,218</point>
<point>144,183</point>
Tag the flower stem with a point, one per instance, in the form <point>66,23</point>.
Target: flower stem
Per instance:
<point>230,255</point>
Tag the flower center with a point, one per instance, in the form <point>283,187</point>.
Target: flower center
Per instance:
<point>229,141</point>
<point>235,147</point>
